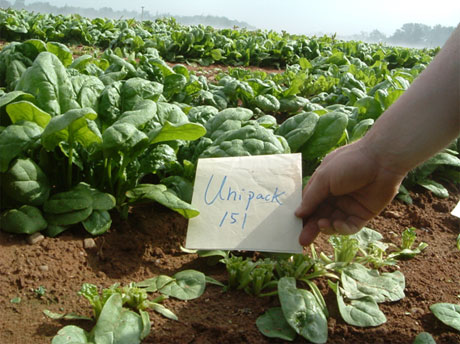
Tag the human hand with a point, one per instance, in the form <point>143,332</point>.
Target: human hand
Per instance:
<point>348,189</point>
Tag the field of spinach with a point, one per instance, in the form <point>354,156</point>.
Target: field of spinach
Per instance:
<point>87,139</point>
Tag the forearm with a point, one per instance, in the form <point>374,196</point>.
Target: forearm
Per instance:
<point>424,119</point>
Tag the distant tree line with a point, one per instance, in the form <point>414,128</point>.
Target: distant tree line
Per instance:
<point>107,12</point>
<point>410,34</point>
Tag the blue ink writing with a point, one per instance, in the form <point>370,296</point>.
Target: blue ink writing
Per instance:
<point>226,193</point>
<point>220,190</point>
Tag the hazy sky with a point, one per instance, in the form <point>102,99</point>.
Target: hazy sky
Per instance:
<point>301,16</point>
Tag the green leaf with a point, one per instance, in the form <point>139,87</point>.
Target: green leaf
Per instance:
<point>367,236</point>
<point>225,120</point>
<point>26,183</point>
<point>174,83</point>
<point>135,90</point>
<point>169,132</point>
<point>69,218</point>
<point>211,280</point>
<point>359,281</point>
<point>100,200</point>
<point>272,324</point>
<point>304,63</point>
<point>181,186</point>
<point>216,54</point>
<point>61,51</point>
<point>361,128</point>
<point>117,325</point>
<point>155,283</point>
<point>363,312</point>
<point>424,338</point>
<point>298,129</point>
<point>249,140</point>
<point>448,313</point>
<point>15,139</point>
<point>267,103</point>
<point>159,193</point>
<point>72,126</point>
<point>15,300</point>
<point>69,316</point>
<point>48,81</point>
<point>87,88</point>
<point>143,112</point>
<point>164,311</point>
<point>68,201</point>
<point>71,335</point>
<point>328,132</point>
<point>186,285</point>
<point>25,220</point>
<point>302,311</point>
<point>145,323</point>
<point>54,230</point>
<point>123,137</point>
<point>24,110</point>
<point>15,95</point>
<point>98,222</point>
<point>368,107</point>
<point>438,189</point>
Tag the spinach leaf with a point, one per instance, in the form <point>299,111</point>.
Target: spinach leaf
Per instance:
<point>186,285</point>
<point>98,222</point>
<point>160,193</point>
<point>362,312</point>
<point>273,324</point>
<point>26,183</point>
<point>298,129</point>
<point>359,281</point>
<point>328,132</point>
<point>302,311</point>
<point>25,220</point>
<point>71,334</point>
<point>15,139</point>
<point>448,313</point>
<point>27,111</point>
<point>48,81</point>
<point>118,325</point>
<point>424,338</point>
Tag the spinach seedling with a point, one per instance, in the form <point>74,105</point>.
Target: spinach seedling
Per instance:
<point>407,241</point>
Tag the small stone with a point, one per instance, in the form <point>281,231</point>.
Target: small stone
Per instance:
<point>89,243</point>
<point>43,268</point>
<point>392,214</point>
<point>35,238</point>
<point>100,274</point>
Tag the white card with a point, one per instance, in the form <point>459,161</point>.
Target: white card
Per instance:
<point>247,203</point>
<point>456,211</point>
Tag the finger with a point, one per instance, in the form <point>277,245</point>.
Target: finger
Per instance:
<point>351,225</point>
<point>315,192</point>
<point>352,207</point>
<point>309,233</point>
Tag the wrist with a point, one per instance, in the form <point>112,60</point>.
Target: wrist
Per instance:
<point>386,155</point>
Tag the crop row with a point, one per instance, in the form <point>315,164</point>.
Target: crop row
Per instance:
<point>93,128</point>
<point>204,45</point>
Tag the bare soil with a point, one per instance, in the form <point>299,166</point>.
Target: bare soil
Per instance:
<point>148,244</point>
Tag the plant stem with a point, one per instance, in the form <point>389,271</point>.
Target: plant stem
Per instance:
<point>69,165</point>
